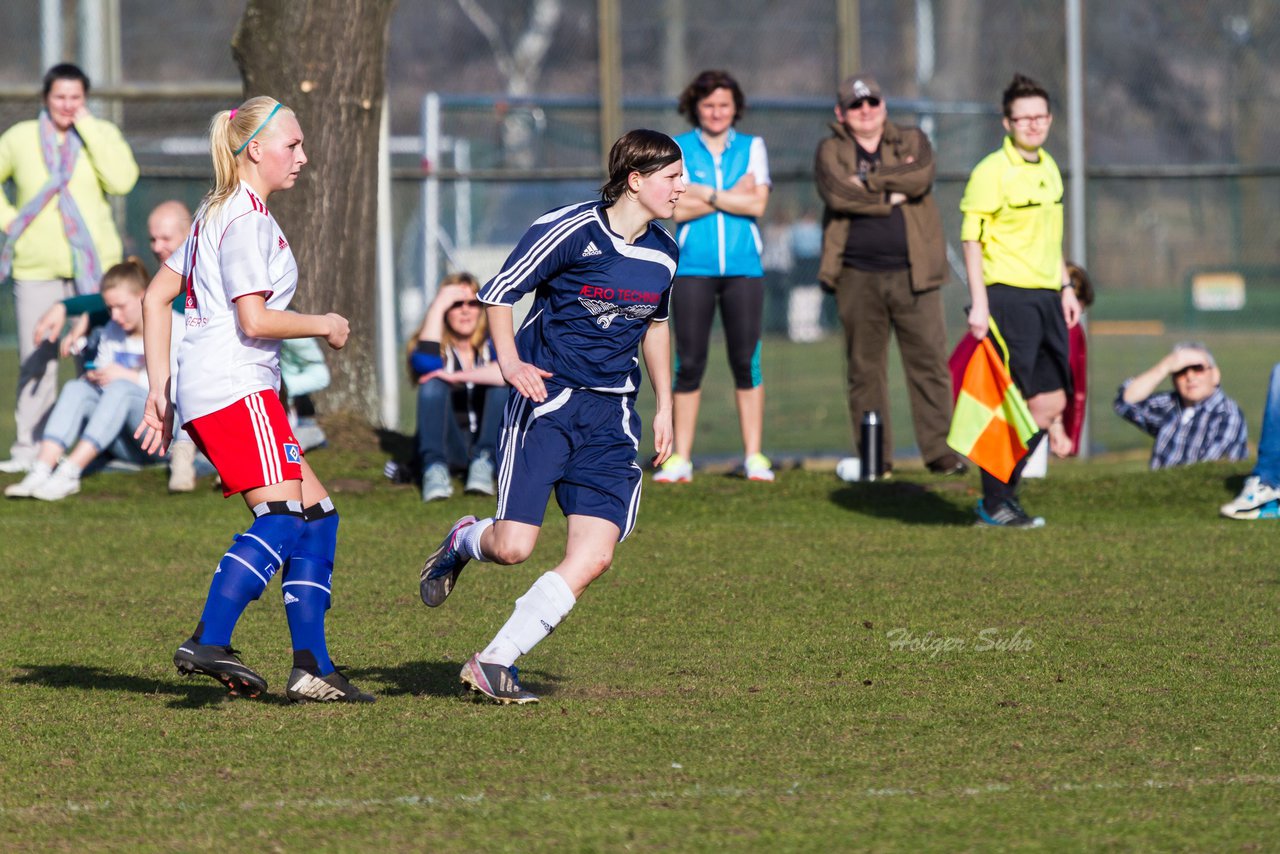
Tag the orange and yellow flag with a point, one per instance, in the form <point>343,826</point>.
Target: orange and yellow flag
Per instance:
<point>991,424</point>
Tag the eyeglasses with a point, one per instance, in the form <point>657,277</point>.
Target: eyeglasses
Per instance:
<point>1030,121</point>
<point>1193,369</point>
<point>857,105</point>
<point>471,303</point>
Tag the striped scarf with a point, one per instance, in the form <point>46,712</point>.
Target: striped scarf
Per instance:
<point>61,162</point>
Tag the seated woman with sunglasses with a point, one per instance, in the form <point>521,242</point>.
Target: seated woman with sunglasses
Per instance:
<point>1194,423</point>
<point>461,392</point>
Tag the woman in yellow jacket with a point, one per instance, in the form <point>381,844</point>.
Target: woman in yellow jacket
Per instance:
<point>59,234</point>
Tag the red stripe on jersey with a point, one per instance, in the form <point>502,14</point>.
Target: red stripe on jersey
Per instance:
<point>191,271</point>
<point>257,203</point>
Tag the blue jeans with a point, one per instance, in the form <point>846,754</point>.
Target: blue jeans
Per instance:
<point>103,417</point>
<point>1268,467</point>
<point>441,440</point>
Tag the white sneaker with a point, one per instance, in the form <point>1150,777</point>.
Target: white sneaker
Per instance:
<point>17,465</point>
<point>59,485</point>
<point>675,470</point>
<point>849,469</point>
<point>435,483</point>
<point>480,476</point>
<point>182,467</point>
<point>26,487</point>
<point>758,467</point>
<point>310,434</point>
<point>1248,504</point>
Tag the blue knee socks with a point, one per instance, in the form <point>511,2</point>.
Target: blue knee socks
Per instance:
<point>305,585</point>
<point>247,567</point>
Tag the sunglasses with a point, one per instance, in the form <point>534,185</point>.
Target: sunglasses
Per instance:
<point>857,105</point>
<point>471,303</point>
<point>1195,369</point>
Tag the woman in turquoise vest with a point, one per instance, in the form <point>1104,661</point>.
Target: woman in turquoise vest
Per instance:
<point>727,174</point>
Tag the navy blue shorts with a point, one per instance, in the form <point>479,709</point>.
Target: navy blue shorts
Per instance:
<point>581,443</point>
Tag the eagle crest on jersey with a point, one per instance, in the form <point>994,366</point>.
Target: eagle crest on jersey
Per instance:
<point>606,312</point>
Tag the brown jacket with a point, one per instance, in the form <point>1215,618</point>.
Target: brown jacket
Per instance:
<point>906,166</point>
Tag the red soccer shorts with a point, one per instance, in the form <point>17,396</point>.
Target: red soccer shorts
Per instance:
<point>250,443</point>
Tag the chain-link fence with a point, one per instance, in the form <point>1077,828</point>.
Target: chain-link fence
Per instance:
<point>1183,182</point>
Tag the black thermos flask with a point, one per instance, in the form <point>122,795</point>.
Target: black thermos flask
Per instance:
<point>872,444</point>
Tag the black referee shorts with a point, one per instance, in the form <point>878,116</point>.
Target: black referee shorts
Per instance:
<point>1030,321</point>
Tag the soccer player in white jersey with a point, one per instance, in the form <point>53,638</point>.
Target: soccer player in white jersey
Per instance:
<point>602,275</point>
<point>239,275</point>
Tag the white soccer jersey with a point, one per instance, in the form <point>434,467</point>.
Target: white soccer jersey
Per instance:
<point>237,252</point>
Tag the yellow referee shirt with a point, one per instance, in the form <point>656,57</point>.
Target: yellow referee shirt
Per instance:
<point>1014,209</point>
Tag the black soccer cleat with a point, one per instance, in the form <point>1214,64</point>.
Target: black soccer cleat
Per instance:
<point>441,570</point>
<point>308,687</point>
<point>498,683</point>
<point>220,662</point>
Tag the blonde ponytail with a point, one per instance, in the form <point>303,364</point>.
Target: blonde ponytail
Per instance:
<point>229,133</point>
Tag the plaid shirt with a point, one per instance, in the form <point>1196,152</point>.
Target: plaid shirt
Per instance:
<point>1214,429</point>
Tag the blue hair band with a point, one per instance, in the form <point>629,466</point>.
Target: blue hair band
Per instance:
<point>258,130</point>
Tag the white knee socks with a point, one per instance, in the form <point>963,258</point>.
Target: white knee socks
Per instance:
<point>537,614</point>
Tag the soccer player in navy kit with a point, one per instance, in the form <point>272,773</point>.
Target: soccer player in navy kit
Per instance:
<point>601,273</point>
<point>239,276</point>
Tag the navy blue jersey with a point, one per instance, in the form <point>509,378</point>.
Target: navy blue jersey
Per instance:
<point>595,295</point>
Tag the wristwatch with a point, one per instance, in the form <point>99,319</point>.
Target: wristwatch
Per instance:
<point>711,200</point>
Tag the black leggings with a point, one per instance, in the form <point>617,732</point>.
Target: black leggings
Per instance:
<point>693,307</point>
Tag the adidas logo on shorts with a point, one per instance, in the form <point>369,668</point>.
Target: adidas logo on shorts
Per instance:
<point>591,250</point>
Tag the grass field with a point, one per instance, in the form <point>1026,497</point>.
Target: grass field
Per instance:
<point>803,666</point>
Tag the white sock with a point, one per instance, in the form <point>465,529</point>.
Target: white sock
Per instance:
<point>537,614</point>
<point>70,469</point>
<point>469,542</point>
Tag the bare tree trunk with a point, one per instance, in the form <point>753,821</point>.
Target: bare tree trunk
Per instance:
<point>326,60</point>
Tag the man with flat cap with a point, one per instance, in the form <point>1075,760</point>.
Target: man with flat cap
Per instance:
<point>884,257</point>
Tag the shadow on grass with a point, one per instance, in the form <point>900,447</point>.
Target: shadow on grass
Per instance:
<point>913,503</point>
<point>1234,483</point>
<point>396,444</point>
<point>198,693</point>
<point>438,679</point>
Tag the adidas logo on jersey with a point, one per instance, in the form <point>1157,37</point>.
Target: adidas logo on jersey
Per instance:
<point>289,598</point>
<point>591,250</point>
<point>282,244</point>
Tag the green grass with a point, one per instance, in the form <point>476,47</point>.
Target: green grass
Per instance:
<point>731,684</point>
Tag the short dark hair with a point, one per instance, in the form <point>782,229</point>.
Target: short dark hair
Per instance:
<point>64,71</point>
<point>1023,87</point>
<point>1083,285</point>
<point>643,151</point>
<point>702,86</point>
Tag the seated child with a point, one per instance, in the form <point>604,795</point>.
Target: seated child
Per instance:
<point>98,411</point>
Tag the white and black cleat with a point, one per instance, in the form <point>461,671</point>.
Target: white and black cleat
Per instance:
<point>306,686</point>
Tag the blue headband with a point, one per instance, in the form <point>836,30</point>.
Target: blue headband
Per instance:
<point>274,109</point>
